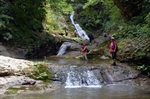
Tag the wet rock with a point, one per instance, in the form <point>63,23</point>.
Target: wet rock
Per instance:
<point>12,52</point>
<point>29,83</point>
<point>50,47</point>
<point>104,73</point>
<point>135,52</point>
<point>120,73</point>
<point>4,72</point>
<point>11,72</point>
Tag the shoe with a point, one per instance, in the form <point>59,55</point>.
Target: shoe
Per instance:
<point>114,64</point>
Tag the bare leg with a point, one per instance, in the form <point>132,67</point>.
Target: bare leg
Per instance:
<point>85,56</point>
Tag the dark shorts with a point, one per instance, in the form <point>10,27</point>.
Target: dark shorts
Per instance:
<point>113,55</point>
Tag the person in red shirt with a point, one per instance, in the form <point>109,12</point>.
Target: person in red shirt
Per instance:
<point>112,50</point>
<point>84,51</point>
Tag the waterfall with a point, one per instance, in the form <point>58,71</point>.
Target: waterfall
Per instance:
<point>85,78</point>
<point>80,31</point>
<point>72,18</point>
<point>63,48</point>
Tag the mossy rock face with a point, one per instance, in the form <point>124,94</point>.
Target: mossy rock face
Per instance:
<point>16,89</point>
<point>49,47</point>
<point>96,54</point>
<point>129,51</point>
<point>135,51</point>
<point>11,91</point>
<point>39,71</point>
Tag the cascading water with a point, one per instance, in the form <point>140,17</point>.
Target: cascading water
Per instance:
<point>81,32</point>
<point>72,18</point>
<point>63,48</point>
<point>78,77</point>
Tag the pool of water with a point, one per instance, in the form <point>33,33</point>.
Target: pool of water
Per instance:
<point>61,61</point>
<point>105,92</point>
<point>110,91</point>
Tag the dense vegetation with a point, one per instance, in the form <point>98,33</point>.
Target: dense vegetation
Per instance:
<point>128,18</point>
<point>25,23</point>
<point>21,20</point>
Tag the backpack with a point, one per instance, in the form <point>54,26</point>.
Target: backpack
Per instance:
<point>87,50</point>
<point>117,48</point>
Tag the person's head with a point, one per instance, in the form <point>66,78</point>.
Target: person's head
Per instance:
<point>112,38</point>
<point>84,44</point>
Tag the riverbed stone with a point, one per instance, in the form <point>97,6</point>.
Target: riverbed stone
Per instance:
<point>106,74</point>
<point>12,73</point>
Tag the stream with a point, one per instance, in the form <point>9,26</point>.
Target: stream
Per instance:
<point>107,91</point>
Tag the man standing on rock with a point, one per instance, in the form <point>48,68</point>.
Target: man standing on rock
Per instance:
<point>113,46</point>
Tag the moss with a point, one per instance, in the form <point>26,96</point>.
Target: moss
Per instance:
<point>40,71</point>
<point>11,91</point>
<point>121,44</point>
<point>30,88</point>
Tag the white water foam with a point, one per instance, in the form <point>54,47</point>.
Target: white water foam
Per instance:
<point>63,48</point>
<point>90,86</point>
<point>84,79</point>
<point>81,32</point>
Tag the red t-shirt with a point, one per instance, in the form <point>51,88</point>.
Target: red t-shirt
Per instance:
<point>84,49</point>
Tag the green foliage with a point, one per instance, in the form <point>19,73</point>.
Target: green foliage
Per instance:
<point>98,15</point>
<point>77,39</point>
<point>55,10</point>
<point>22,22</point>
<point>7,36</point>
<point>103,15</point>
<point>133,32</point>
<point>144,69</point>
<point>28,17</point>
<point>41,72</point>
<point>138,26</point>
<point>142,55</point>
<point>147,19</point>
<point>91,17</point>
<point>5,20</point>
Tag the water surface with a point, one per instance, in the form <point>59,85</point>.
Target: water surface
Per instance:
<point>105,92</point>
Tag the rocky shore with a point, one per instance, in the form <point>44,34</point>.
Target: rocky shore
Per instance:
<point>13,79</point>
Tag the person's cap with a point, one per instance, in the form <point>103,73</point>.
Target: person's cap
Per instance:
<point>112,38</point>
